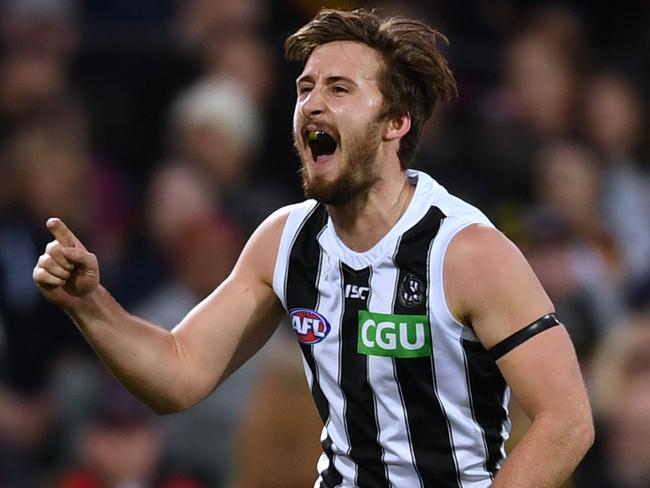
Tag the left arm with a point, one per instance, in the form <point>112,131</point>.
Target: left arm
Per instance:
<point>490,286</point>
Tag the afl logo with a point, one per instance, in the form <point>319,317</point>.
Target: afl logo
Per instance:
<point>310,326</point>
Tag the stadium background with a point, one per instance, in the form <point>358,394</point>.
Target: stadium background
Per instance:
<point>160,132</point>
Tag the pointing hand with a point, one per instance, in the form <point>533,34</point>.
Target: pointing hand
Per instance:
<point>66,271</point>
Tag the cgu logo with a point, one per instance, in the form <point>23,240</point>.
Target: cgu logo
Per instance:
<point>400,336</point>
<point>310,326</point>
<point>355,291</point>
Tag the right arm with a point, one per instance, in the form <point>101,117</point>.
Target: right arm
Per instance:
<point>169,371</point>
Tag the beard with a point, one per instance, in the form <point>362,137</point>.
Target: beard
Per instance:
<point>357,174</point>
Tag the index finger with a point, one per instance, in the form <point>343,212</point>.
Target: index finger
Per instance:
<point>62,234</point>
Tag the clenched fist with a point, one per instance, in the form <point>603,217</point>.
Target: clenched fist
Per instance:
<point>66,271</point>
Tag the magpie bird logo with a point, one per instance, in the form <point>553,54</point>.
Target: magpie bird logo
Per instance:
<point>411,291</point>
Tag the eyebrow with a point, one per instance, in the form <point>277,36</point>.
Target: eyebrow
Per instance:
<point>329,80</point>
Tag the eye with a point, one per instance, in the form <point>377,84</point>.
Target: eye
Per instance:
<point>302,89</point>
<point>340,89</point>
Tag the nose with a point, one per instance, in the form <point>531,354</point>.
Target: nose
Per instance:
<point>313,104</point>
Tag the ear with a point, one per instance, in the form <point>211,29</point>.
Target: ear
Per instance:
<point>397,128</point>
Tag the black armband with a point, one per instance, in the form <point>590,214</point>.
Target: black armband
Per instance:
<point>522,335</point>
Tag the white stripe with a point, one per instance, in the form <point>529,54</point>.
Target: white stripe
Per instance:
<point>393,428</point>
<point>505,428</point>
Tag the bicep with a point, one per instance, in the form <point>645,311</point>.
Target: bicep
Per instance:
<point>492,284</point>
<point>227,328</point>
<point>235,320</point>
<point>544,375</point>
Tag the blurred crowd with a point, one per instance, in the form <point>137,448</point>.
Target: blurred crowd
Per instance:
<point>160,132</point>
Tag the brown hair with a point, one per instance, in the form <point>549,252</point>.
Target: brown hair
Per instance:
<point>415,75</point>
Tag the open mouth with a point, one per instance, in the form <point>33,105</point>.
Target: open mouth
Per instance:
<point>320,143</point>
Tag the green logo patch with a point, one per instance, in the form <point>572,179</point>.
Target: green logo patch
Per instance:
<point>398,336</point>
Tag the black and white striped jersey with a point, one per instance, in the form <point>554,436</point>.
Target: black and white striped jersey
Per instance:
<point>408,395</point>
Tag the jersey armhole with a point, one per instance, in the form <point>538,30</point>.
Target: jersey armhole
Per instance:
<point>298,213</point>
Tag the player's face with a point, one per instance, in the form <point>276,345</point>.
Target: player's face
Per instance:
<point>337,131</point>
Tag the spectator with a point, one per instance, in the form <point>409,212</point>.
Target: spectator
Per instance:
<point>120,446</point>
<point>218,129</point>
<point>615,115</point>
<point>535,102</point>
<point>620,386</point>
<point>568,190</point>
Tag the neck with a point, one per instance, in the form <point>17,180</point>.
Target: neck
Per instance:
<point>363,222</point>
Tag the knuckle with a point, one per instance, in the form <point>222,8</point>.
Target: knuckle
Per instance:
<point>51,246</point>
<point>39,274</point>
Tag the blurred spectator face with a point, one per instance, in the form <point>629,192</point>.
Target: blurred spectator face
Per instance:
<point>198,20</point>
<point>26,421</point>
<point>630,434</point>
<point>38,38</point>
<point>177,196</point>
<point>620,395</point>
<point>550,261</point>
<point>568,182</point>
<point>53,173</point>
<point>122,454</point>
<point>206,254</point>
<point>121,442</point>
<point>541,82</point>
<point>217,128</point>
<point>27,81</point>
<point>244,57</point>
<point>212,150</point>
<point>184,220</point>
<point>46,26</point>
<point>613,115</point>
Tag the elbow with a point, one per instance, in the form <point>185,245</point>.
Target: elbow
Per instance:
<point>583,435</point>
<point>170,405</point>
<point>167,409</point>
<point>587,434</point>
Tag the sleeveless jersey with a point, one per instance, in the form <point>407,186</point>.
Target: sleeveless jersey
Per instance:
<point>407,394</point>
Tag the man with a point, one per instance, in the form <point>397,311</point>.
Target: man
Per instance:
<point>412,311</point>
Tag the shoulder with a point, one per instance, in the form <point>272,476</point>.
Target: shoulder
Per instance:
<point>274,223</point>
<point>477,256</point>
<point>260,252</point>
<point>479,246</point>
<point>488,280</point>
<point>286,219</point>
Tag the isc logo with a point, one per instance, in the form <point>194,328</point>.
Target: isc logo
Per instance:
<point>355,291</point>
<point>310,326</point>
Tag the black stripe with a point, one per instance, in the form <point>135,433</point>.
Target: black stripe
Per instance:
<point>301,291</point>
<point>487,389</point>
<point>331,477</point>
<point>301,287</point>
<point>428,426</point>
<point>360,414</point>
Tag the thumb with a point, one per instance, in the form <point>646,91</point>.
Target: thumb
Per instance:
<point>62,234</point>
